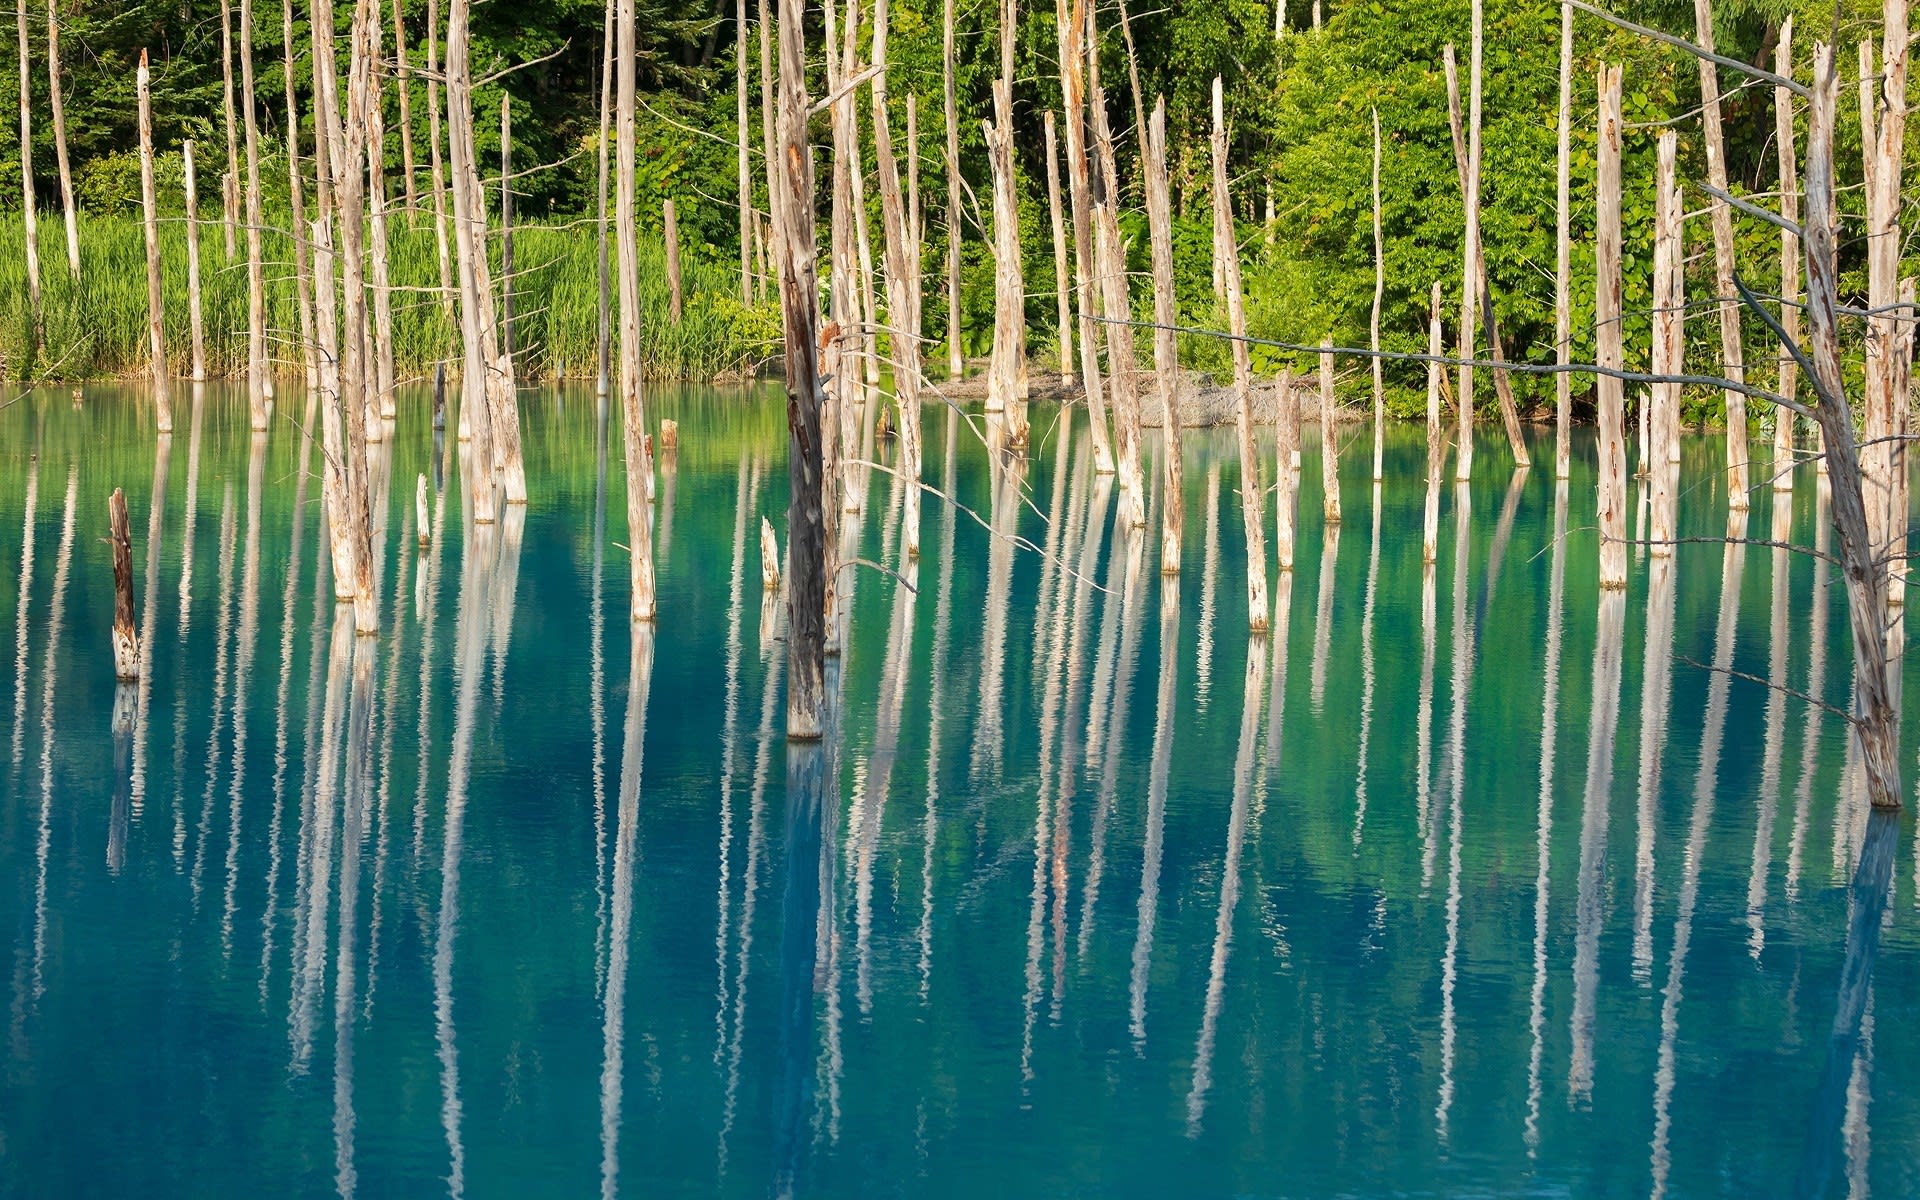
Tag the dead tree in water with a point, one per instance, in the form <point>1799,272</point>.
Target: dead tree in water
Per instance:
<point>794,246</point>
<point>1229,253</point>
<point>126,636</point>
<point>1469,308</point>
<point>1111,257</point>
<point>1563,257</point>
<point>903,287</point>
<point>149,207</point>
<point>1466,160</point>
<point>956,363</point>
<point>1783,136</point>
<point>1610,353</point>
<point>302,264</point>
<point>1732,362</point>
<point>1062,273</point>
<point>257,386</point>
<point>1876,711</point>
<point>632,404</point>
<point>1662,420</point>
<point>196,324</point>
<point>1166,346</point>
<point>1883,119</point>
<point>1070,17</point>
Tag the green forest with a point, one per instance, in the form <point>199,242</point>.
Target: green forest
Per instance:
<point>1300,84</point>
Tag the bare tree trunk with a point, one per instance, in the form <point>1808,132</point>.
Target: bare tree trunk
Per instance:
<point>1070,15</point>
<point>767,107</point>
<point>29,213</point>
<point>632,403</point>
<point>60,139</point>
<point>257,385</point>
<point>1329,438</point>
<point>1436,432</point>
<point>601,379</point>
<point>1121,366</point>
<point>1063,279</point>
<point>350,201</point>
<point>149,207</point>
<point>1669,343</point>
<point>956,362</point>
<point>1732,363</point>
<point>302,267</point>
<point>468,230</point>
<point>1883,117</point>
<point>672,222</point>
<point>1610,352</point>
<point>230,179</point>
<point>806,542</point>
<point>745,160</point>
<point>1166,313</point>
<point>1783,136</point>
<point>1876,713</point>
<point>1250,491</point>
<point>1470,276</point>
<point>380,407</point>
<point>447,295</point>
<point>1563,258</point>
<point>194,319</point>
<point>840,448</point>
<point>1483,294</point>
<point>506,227</point>
<point>126,633</point>
<point>1373,325</point>
<point>903,287</point>
<point>403,83</point>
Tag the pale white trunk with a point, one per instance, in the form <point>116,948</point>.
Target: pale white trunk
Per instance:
<point>54,93</point>
<point>1257,615</point>
<point>149,208</point>
<point>1662,422</point>
<point>632,403</point>
<point>1563,257</point>
<point>1732,363</point>
<point>258,387</point>
<point>195,321</point>
<point>1610,354</point>
<point>1063,280</point>
<point>1329,438</point>
<point>1166,347</point>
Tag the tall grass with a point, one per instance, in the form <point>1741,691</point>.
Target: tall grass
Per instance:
<point>98,327</point>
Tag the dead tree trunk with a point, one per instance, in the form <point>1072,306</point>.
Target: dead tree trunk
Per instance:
<point>1464,162</point>
<point>447,295</point>
<point>956,361</point>
<point>126,632</point>
<point>230,179</point>
<point>740,139</point>
<point>903,287</point>
<point>257,385</point>
<point>468,230</point>
<point>1329,438</point>
<point>1250,491</point>
<point>1732,363</point>
<point>403,84</point>
<point>506,227</point>
<point>1883,118</point>
<point>1121,366</point>
<point>1436,433</point>
<point>794,245</point>
<point>1070,15</point>
<point>1669,342</point>
<point>149,207</point>
<point>195,322</point>
<point>1166,346</point>
<point>1876,712</point>
<point>1563,258</point>
<point>349,186</point>
<point>302,265</point>
<point>1610,354</point>
<point>1470,276</point>
<point>605,328</point>
<point>1063,279</point>
<point>59,104</point>
<point>632,403</point>
<point>1373,325</point>
<point>29,215</point>
<point>380,407</point>
<point>1783,137</point>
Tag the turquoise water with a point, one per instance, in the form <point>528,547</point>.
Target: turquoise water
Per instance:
<point>1466,881</point>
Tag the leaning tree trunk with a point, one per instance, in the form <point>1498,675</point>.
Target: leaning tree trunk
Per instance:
<point>1070,16</point>
<point>1876,712</point>
<point>59,105</point>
